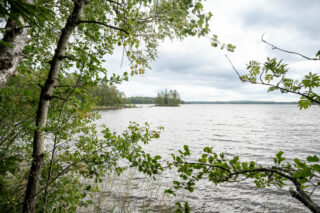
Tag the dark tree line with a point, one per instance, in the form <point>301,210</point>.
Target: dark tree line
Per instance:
<point>141,100</point>
<point>108,95</point>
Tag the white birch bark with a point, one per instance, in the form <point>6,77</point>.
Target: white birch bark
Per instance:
<point>16,38</point>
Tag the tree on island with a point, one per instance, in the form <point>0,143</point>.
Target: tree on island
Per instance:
<point>168,98</point>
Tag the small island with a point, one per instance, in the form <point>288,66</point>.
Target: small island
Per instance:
<point>168,98</point>
<point>109,97</point>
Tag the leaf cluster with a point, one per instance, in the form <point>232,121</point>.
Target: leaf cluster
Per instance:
<point>26,13</point>
<point>304,176</point>
<point>273,73</point>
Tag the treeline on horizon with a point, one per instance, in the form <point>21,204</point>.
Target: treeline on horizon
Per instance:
<point>152,100</point>
<point>107,95</point>
<point>237,102</point>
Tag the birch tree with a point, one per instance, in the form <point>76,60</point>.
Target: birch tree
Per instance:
<point>18,15</point>
<point>77,42</point>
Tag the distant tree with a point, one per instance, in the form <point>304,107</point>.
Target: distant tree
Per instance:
<point>168,98</point>
<point>140,100</point>
<point>176,97</point>
<point>107,95</point>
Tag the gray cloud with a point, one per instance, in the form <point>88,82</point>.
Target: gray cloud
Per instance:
<point>300,17</point>
<point>201,72</point>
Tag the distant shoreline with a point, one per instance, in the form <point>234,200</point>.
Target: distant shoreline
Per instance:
<point>152,100</point>
<point>114,107</point>
<point>166,105</point>
<point>237,102</point>
<point>98,108</point>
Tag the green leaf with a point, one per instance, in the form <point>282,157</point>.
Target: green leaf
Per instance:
<point>244,165</point>
<point>169,191</point>
<point>186,207</point>
<point>252,165</point>
<point>316,167</point>
<point>313,159</point>
<point>186,149</point>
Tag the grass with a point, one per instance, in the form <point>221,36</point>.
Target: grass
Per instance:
<point>130,192</point>
<point>134,192</point>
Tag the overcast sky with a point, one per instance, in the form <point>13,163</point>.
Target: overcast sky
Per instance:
<point>201,72</point>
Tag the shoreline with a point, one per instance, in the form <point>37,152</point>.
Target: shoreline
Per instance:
<point>166,105</point>
<point>98,108</point>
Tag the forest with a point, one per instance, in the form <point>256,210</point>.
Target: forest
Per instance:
<point>54,73</point>
<point>108,95</point>
<point>141,100</point>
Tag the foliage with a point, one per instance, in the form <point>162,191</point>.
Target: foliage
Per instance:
<point>73,151</point>
<point>141,100</point>
<point>184,209</point>
<point>108,95</point>
<point>273,73</point>
<point>217,168</point>
<point>216,43</point>
<point>72,148</point>
<point>168,98</point>
<point>34,13</point>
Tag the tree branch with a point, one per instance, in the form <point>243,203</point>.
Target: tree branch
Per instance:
<point>305,199</point>
<point>234,69</point>
<point>272,85</point>
<point>114,2</point>
<point>103,24</point>
<point>298,194</point>
<point>287,51</point>
<point>67,57</point>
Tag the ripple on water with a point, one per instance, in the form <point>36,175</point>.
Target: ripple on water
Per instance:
<point>254,132</point>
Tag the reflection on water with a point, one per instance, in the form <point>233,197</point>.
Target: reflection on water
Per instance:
<point>254,132</point>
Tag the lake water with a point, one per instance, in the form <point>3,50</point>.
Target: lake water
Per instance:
<point>254,132</point>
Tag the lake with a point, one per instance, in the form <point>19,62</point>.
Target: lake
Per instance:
<point>254,132</point>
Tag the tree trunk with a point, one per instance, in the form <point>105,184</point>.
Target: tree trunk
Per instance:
<point>15,39</point>
<point>41,119</point>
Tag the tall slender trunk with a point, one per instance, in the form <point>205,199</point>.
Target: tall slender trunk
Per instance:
<point>15,39</point>
<point>42,113</point>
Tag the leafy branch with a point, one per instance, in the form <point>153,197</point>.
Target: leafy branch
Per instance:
<point>217,168</point>
<point>102,24</point>
<point>273,74</point>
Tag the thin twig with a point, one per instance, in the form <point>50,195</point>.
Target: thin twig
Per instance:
<point>287,51</point>
<point>234,69</point>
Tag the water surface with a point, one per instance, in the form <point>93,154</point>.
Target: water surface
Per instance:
<point>254,132</point>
